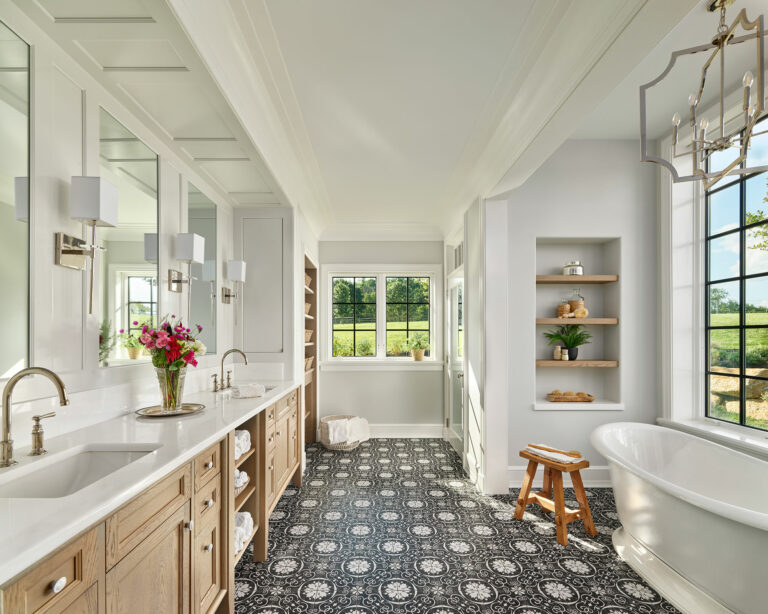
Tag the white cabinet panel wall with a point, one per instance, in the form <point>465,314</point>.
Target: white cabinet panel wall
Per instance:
<point>64,142</point>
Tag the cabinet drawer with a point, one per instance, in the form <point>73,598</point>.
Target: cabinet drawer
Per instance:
<point>87,603</point>
<point>281,406</point>
<point>270,437</point>
<point>270,412</point>
<point>208,576</point>
<point>207,465</point>
<point>293,398</point>
<point>128,527</point>
<point>208,500</point>
<point>75,568</point>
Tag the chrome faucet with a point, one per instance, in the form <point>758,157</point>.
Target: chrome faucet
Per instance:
<point>6,445</point>
<point>227,353</point>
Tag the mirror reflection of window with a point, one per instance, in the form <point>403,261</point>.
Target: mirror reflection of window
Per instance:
<point>14,201</point>
<point>201,220</point>
<point>128,265</point>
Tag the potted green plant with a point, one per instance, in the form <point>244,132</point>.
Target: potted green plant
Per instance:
<point>131,343</point>
<point>418,344</point>
<point>570,337</point>
<point>106,342</point>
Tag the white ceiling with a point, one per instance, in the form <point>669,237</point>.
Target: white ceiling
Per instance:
<point>617,117</point>
<point>138,50</point>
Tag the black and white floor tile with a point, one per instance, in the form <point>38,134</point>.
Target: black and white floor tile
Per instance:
<point>394,527</point>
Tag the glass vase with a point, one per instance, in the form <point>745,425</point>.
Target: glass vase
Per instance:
<point>171,387</point>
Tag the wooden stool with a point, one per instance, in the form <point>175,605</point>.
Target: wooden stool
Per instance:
<point>553,480</point>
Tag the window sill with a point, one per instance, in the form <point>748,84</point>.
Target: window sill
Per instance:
<point>737,437</point>
<point>381,365</point>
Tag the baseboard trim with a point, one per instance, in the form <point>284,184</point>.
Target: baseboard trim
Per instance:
<point>407,431</point>
<point>597,476</point>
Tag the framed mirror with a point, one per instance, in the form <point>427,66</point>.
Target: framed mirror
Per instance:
<point>201,219</point>
<point>14,201</point>
<point>127,266</point>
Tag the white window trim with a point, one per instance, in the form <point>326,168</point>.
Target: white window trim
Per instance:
<point>381,271</point>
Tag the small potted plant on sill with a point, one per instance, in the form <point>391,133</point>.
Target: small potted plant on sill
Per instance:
<point>418,344</point>
<point>130,342</point>
<point>571,337</point>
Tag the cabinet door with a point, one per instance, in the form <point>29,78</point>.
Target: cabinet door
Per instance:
<point>208,579</point>
<point>281,449</point>
<point>293,439</point>
<point>87,603</point>
<point>155,576</point>
<point>270,478</point>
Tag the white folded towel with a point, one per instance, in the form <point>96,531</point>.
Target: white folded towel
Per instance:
<point>358,430</point>
<point>242,443</point>
<point>241,478</point>
<point>243,530</point>
<point>556,456</point>
<point>246,391</point>
<point>338,431</point>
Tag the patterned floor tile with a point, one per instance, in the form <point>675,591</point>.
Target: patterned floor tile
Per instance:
<point>394,527</point>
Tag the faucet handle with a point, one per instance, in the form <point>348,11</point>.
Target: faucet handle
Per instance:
<point>37,419</point>
<point>215,382</point>
<point>37,434</point>
<point>229,379</point>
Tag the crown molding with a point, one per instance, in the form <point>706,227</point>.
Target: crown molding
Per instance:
<point>381,232</point>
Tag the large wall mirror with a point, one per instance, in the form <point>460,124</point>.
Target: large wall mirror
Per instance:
<point>14,202</point>
<point>128,265</point>
<point>201,220</point>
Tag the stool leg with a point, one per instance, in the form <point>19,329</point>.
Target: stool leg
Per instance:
<point>525,490</point>
<point>560,524</point>
<point>547,488</point>
<point>581,497</point>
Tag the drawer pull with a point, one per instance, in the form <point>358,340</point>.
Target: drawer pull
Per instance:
<point>294,436</point>
<point>209,465</point>
<point>271,439</point>
<point>209,503</point>
<point>190,525</point>
<point>209,548</point>
<point>278,433</point>
<point>58,585</point>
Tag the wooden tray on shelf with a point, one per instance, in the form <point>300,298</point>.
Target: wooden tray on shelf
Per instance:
<point>561,398</point>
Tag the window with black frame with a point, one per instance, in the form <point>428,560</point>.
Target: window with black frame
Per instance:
<point>141,303</point>
<point>737,292</point>
<point>354,316</point>
<point>407,313</point>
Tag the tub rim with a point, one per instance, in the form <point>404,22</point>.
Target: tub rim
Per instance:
<point>754,518</point>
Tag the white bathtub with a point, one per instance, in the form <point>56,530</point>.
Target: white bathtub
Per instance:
<point>694,516</point>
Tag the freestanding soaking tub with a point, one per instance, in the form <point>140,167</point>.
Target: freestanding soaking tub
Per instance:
<point>694,516</point>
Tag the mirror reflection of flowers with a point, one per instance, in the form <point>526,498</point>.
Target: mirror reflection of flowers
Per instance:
<point>172,345</point>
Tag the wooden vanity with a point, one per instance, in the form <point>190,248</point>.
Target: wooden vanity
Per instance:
<point>170,549</point>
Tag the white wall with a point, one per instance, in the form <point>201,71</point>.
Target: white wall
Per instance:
<point>399,401</point>
<point>586,189</point>
<point>65,142</point>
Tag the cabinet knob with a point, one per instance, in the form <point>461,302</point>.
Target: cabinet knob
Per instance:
<point>278,433</point>
<point>209,465</point>
<point>190,525</point>
<point>271,439</point>
<point>58,585</point>
<point>209,548</point>
<point>271,467</point>
<point>209,503</point>
<point>294,436</point>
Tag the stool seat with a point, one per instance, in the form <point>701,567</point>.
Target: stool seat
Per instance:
<point>551,498</point>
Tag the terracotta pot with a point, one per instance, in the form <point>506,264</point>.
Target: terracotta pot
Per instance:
<point>418,354</point>
<point>134,353</point>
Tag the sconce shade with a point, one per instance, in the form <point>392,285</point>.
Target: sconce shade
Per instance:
<point>236,270</point>
<point>21,198</point>
<point>190,248</point>
<point>150,246</point>
<point>93,200</point>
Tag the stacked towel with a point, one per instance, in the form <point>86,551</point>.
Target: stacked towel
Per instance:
<point>555,456</point>
<point>241,478</point>
<point>242,443</point>
<point>243,530</point>
<point>246,391</point>
<point>338,431</point>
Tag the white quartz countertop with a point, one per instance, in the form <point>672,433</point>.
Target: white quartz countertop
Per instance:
<point>31,529</point>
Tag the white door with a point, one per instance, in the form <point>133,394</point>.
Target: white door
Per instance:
<point>455,371</point>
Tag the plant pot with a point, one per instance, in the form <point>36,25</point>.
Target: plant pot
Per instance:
<point>134,353</point>
<point>573,353</point>
<point>171,387</point>
<point>418,355</point>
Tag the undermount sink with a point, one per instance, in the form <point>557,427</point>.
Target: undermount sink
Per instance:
<point>64,473</point>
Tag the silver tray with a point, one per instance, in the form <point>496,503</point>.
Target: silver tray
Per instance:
<point>156,411</point>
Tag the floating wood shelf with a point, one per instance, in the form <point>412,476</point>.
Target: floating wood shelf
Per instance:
<point>308,290</point>
<point>574,321</point>
<point>243,496</point>
<point>577,363</point>
<point>308,317</point>
<point>240,554</point>
<point>309,344</point>
<point>575,280</point>
<point>244,457</point>
<point>308,373</point>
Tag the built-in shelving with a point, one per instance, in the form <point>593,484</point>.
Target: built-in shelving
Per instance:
<point>240,554</point>
<point>308,317</point>
<point>576,280</point>
<point>577,363</point>
<point>309,344</point>
<point>308,290</point>
<point>243,496</point>
<point>596,405</point>
<point>240,461</point>
<point>310,350</point>
<point>574,321</point>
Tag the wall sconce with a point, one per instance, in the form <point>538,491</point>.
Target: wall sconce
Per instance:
<point>190,248</point>
<point>92,201</point>
<point>235,273</point>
